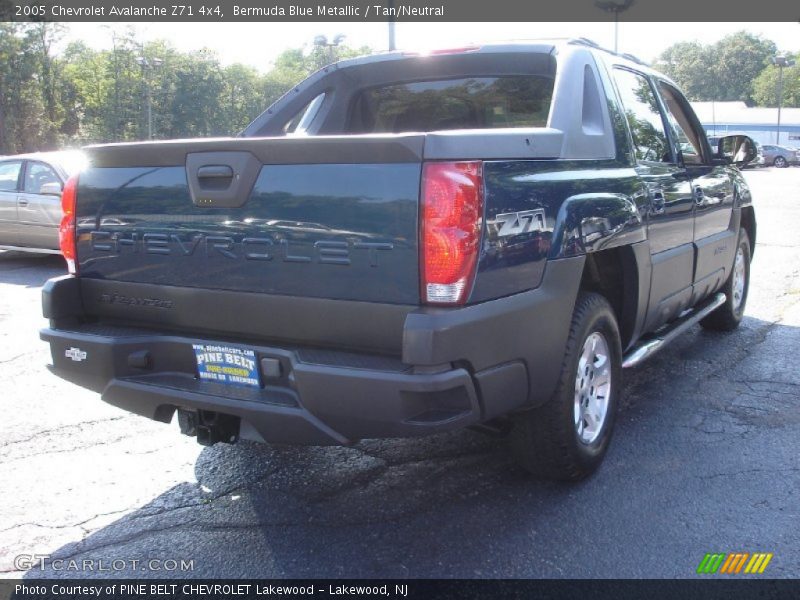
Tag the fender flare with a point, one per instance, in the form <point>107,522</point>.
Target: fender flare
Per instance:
<point>596,221</point>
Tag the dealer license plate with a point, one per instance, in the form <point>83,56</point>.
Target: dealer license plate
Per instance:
<point>226,364</point>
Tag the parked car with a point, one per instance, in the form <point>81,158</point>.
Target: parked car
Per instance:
<point>780,156</point>
<point>30,199</point>
<point>758,161</point>
<point>482,238</point>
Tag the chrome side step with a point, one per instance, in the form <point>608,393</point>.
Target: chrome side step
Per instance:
<point>646,348</point>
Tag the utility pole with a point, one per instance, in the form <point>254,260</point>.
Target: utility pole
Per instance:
<point>780,62</point>
<point>147,66</point>
<point>392,45</point>
<point>616,7</point>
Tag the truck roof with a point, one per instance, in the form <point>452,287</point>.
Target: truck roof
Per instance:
<point>572,131</point>
<point>541,45</point>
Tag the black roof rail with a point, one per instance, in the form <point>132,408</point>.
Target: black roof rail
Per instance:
<point>582,41</point>
<point>633,58</point>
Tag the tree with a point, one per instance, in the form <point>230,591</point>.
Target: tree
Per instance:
<point>294,65</point>
<point>689,64</point>
<point>243,97</point>
<point>765,87</point>
<point>42,36</point>
<point>723,71</point>
<point>22,126</point>
<point>196,101</point>
<point>81,95</point>
<point>739,58</point>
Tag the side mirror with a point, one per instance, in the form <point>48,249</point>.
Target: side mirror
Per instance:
<point>739,149</point>
<point>51,189</point>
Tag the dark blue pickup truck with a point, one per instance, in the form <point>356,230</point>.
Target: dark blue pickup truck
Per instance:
<point>408,244</point>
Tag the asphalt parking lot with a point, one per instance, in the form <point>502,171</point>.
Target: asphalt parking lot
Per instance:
<point>705,459</point>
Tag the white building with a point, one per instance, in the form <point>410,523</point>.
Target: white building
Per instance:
<point>761,124</point>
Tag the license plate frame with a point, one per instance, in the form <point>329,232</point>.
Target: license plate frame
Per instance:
<point>227,364</point>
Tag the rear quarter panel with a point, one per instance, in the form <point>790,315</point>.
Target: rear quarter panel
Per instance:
<point>578,206</point>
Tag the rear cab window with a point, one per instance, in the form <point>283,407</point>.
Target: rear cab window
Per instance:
<point>511,101</point>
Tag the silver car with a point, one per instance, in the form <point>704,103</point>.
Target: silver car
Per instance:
<point>30,199</point>
<point>779,156</point>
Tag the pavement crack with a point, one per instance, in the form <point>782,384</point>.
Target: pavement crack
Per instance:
<point>750,382</point>
<point>76,448</point>
<point>747,471</point>
<point>70,526</point>
<point>118,542</point>
<point>13,358</point>
<point>59,429</point>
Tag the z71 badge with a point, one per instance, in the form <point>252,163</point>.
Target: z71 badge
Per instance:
<point>515,223</point>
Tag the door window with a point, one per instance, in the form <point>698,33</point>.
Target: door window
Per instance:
<point>9,175</point>
<point>38,174</point>
<point>687,136</point>
<point>644,117</point>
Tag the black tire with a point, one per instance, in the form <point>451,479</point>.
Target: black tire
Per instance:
<point>545,440</point>
<point>728,316</point>
<point>779,162</point>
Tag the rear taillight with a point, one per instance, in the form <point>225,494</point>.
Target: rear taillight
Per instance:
<point>452,213</point>
<point>66,231</point>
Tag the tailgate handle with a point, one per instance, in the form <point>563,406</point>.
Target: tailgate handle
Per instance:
<point>215,172</point>
<point>221,179</point>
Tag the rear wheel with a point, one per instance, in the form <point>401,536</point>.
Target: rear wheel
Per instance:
<point>567,437</point>
<point>728,316</point>
<point>779,162</point>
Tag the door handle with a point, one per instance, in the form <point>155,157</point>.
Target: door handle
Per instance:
<point>214,177</point>
<point>215,172</point>
<point>658,203</point>
<point>22,202</point>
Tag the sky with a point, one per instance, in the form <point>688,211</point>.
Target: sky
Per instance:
<point>257,44</point>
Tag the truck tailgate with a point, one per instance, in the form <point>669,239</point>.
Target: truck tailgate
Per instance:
<point>323,217</point>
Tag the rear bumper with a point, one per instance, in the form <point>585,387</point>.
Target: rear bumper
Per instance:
<point>309,402</point>
<point>456,368</point>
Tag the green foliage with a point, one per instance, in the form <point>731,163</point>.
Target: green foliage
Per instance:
<point>723,71</point>
<point>83,96</point>
<point>28,105</point>
<point>689,64</point>
<point>765,87</point>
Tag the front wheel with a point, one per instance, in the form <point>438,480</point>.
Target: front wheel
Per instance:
<point>567,437</point>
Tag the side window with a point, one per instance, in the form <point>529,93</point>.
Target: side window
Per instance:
<point>9,175</point>
<point>686,135</point>
<point>644,117</point>
<point>36,175</point>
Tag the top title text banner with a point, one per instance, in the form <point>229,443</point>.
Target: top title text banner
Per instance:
<point>397,10</point>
